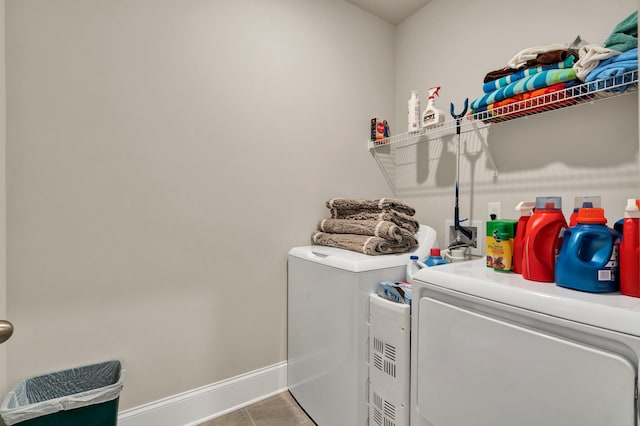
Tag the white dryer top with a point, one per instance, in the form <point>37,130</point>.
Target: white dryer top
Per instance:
<point>612,311</point>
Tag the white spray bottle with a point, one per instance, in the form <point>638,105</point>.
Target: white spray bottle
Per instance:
<point>432,115</point>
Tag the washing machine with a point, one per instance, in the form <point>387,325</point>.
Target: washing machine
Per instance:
<point>328,326</point>
<point>493,349</point>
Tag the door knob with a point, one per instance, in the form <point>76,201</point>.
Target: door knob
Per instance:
<point>6,330</point>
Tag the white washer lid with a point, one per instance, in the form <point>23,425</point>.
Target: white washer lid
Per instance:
<point>359,262</point>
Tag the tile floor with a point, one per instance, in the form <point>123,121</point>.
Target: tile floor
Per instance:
<point>278,410</point>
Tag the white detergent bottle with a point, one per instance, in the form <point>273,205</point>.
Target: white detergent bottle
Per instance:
<point>413,266</point>
<point>414,113</point>
<point>432,115</point>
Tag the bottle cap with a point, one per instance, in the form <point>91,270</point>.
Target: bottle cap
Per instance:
<point>587,201</point>
<point>435,251</point>
<point>633,208</point>
<point>548,203</point>
<point>593,215</point>
<point>525,208</point>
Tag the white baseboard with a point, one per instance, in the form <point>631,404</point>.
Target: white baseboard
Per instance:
<point>199,405</point>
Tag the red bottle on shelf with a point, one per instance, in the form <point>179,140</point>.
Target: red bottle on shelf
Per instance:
<point>630,250</point>
<point>543,239</point>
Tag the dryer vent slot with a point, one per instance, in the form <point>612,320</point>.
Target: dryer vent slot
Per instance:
<point>378,345</point>
<point>384,357</point>
<point>390,351</point>
<point>378,362</point>
<point>390,368</point>
<point>384,412</point>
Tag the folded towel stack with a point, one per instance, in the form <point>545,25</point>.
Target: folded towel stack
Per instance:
<point>369,226</point>
<point>546,77</point>
<point>532,72</point>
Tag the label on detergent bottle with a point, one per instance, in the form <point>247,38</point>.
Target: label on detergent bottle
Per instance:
<point>608,272</point>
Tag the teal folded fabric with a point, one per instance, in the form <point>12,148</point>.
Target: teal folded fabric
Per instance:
<point>494,85</point>
<point>625,35</point>
<point>527,84</point>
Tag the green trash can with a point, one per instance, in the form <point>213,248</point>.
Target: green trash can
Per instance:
<point>80,396</point>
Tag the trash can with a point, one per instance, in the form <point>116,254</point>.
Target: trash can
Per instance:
<point>80,396</point>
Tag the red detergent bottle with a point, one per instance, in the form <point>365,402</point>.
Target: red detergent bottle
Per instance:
<point>526,209</point>
<point>630,250</point>
<point>543,239</point>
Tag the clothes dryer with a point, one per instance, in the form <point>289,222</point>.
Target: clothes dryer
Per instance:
<point>493,349</point>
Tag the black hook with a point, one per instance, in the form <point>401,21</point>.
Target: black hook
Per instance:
<point>458,117</point>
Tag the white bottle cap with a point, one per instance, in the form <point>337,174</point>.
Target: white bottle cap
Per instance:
<point>632,210</point>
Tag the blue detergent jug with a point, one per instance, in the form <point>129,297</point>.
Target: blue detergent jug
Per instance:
<point>435,258</point>
<point>588,258</point>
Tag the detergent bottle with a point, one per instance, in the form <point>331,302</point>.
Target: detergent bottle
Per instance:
<point>543,239</point>
<point>526,209</point>
<point>583,203</point>
<point>435,258</point>
<point>413,266</point>
<point>432,115</point>
<point>630,250</point>
<point>588,259</point>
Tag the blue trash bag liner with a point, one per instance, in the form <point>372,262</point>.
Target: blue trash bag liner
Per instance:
<point>63,390</point>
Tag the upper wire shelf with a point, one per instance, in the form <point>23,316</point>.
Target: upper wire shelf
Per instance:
<point>581,93</point>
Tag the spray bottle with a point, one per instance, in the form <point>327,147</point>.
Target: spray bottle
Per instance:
<point>630,250</point>
<point>526,209</point>
<point>414,112</point>
<point>432,115</point>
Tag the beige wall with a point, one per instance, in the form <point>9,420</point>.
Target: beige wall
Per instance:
<point>584,150</point>
<point>162,158</point>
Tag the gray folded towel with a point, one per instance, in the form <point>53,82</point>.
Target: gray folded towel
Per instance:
<point>366,244</point>
<point>378,228</point>
<point>379,204</point>
<point>403,220</point>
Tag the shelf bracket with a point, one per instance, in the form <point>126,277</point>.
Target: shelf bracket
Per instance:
<point>486,148</point>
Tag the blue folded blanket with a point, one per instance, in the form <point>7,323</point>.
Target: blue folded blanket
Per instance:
<point>615,67</point>
<point>527,84</point>
<point>494,85</point>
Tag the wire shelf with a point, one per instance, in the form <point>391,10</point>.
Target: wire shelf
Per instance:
<point>581,93</point>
